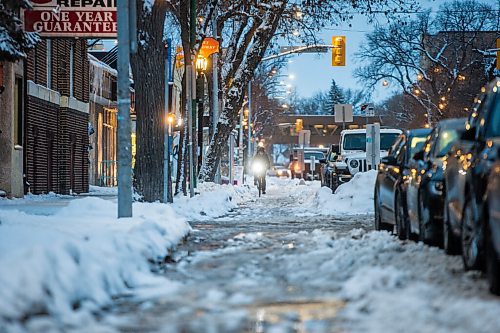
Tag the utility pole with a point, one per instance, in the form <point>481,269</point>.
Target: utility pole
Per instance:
<point>191,98</point>
<point>167,178</point>
<point>127,43</point>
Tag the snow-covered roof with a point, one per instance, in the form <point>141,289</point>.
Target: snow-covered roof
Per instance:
<point>97,63</point>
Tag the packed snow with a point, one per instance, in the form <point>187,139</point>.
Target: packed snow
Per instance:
<point>69,256</point>
<point>297,247</point>
<point>76,260</point>
<point>354,197</point>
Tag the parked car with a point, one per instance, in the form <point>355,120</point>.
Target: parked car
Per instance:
<point>310,153</point>
<point>390,196</point>
<point>492,230</point>
<point>352,158</point>
<point>278,171</point>
<point>477,231</point>
<point>456,164</point>
<point>424,185</point>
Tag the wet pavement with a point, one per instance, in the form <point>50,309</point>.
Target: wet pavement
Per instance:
<point>232,277</point>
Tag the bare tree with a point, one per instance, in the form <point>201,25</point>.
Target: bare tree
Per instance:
<point>247,29</point>
<point>435,59</point>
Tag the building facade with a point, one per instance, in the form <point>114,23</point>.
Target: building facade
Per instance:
<point>57,117</point>
<point>103,124</point>
<point>12,90</point>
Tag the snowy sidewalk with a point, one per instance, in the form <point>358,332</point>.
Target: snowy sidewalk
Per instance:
<point>69,256</point>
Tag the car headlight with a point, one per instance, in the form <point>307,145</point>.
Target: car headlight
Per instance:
<point>354,164</point>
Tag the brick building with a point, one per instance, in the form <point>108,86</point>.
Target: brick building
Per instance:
<point>56,117</point>
<point>103,120</point>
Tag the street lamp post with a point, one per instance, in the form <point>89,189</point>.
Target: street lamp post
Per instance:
<point>201,67</point>
<point>167,178</point>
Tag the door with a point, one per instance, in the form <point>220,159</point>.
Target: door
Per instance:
<point>388,180</point>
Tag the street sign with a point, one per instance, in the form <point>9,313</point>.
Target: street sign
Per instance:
<point>343,113</point>
<point>313,166</point>
<point>208,47</point>
<point>57,18</point>
<point>370,111</point>
<point>373,145</point>
<point>305,49</point>
<point>304,138</point>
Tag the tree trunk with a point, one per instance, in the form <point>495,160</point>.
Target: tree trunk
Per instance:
<point>148,67</point>
<point>236,92</point>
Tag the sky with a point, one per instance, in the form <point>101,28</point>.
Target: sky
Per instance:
<point>313,72</point>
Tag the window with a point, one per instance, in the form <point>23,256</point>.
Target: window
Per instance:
<point>317,155</point>
<point>71,70</point>
<point>18,112</point>
<point>493,127</point>
<point>49,64</point>
<point>445,141</point>
<point>387,139</point>
<point>417,144</point>
<point>395,146</point>
<point>355,141</point>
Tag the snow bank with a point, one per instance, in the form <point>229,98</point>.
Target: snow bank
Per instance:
<point>391,286</point>
<point>213,201</point>
<point>354,197</point>
<point>76,260</point>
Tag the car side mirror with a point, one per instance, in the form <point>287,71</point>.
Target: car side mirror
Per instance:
<point>469,135</point>
<point>322,161</point>
<point>389,160</point>
<point>419,156</point>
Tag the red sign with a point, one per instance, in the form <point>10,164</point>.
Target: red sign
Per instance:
<point>209,47</point>
<point>72,18</point>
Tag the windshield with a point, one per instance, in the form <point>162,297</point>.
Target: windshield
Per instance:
<point>493,129</point>
<point>417,144</point>
<point>445,141</point>
<point>387,139</point>
<point>317,155</point>
<point>357,141</point>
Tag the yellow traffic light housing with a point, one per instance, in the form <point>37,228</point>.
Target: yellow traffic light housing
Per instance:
<point>498,53</point>
<point>299,125</point>
<point>338,51</point>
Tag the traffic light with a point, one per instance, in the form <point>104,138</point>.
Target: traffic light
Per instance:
<point>299,125</point>
<point>338,51</point>
<point>498,53</point>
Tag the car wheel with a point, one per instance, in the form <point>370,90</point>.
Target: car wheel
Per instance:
<point>401,219</point>
<point>379,225</point>
<point>492,266</point>
<point>450,243</point>
<point>470,237</point>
